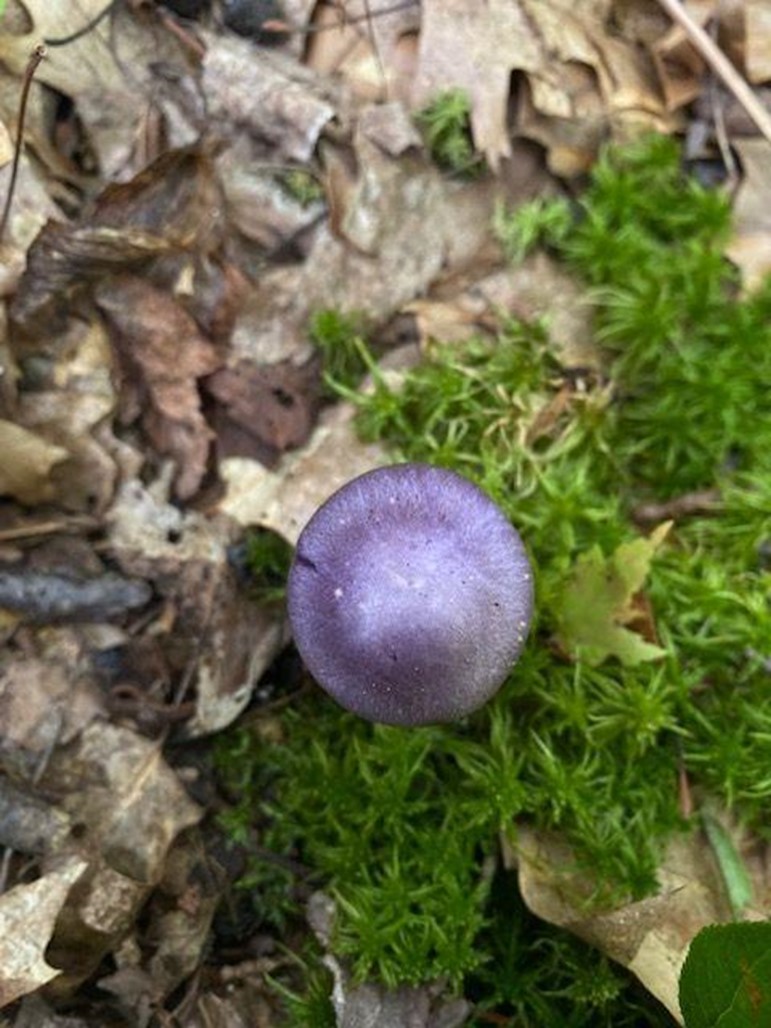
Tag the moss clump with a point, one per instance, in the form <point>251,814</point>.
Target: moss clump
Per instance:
<point>403,826</point>
<point>340,341</point>
<point>446,127</point>
<point>265,557</point>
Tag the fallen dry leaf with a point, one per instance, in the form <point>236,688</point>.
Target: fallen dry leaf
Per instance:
<point>757,40</point>
<point>396,227</point>
<point>27,462</point>
<point>227,639</point>
<point>6,145</point>
<point>109,72</point>
<point>171,208</point>
<point>536,289</point>
<point>72,408</point>
<point>577,71</point>
<point>29,824</point>
<point>650,936</point>
<point>374,55</point>
<point>163,354</point>
<point>272,97</point>
<point>283,500</point>
<point>28,914</point>
<point>264,411</point>
<point>131,807</point>
<point>259,206</point>
<point>679,65</point>
<point>48,694</point>
<point>750,245</point>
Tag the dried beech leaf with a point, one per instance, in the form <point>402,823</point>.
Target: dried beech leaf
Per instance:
<point>27,917</point>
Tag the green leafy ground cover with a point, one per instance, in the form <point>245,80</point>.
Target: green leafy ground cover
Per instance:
<point>402,827</point>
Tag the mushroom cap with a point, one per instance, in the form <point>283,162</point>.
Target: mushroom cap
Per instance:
<point>410,595</point>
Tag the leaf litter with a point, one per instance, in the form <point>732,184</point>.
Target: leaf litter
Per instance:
<point>159,376</point>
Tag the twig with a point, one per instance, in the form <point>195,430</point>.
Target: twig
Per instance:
<point>84,29</point>
<point>36,57</point>
<point>720,64</point>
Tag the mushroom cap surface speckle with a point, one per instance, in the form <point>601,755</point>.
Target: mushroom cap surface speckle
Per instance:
<point>410,595</point>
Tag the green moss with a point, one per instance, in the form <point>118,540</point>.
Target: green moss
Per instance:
<point>267,557</point>
<point>339,339</point>
<point>446,126</point>
<point>403,826</point>
<point>301,185</point>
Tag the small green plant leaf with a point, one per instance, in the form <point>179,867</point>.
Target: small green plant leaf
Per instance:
<point>732,869</point>
<point>597,603</point>
<point>726,978</point>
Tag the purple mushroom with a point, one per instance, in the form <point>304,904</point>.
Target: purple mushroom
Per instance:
<point>410,595</point>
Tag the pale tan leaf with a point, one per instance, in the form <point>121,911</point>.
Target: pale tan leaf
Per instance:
<point>649,936</point>
<point>750,246</point>
<point>576,69</point>
<point>27,917</point>
<point>27,462</point>
<point>757,52</point>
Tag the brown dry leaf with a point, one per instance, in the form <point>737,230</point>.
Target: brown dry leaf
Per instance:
<point>163,354</point>
<point>27,462</point>
<point>576,70</point>
<point>229,639</point>
<point>264,411</point>
<point>170,208</point>
<point>680,67</point>
<point>750,246</point>
<point>650,936</point>
<point>28,914</point>
<point>269,96</point>
<point>284,500</point>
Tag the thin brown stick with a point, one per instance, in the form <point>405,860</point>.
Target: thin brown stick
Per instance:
<point>29,72</point>
<point>720,64</point>
<point>84,29</point>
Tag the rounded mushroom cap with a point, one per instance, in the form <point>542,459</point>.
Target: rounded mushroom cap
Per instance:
<point>410,595</point>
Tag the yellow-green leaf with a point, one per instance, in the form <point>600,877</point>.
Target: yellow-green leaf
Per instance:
<point>596,606</point>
